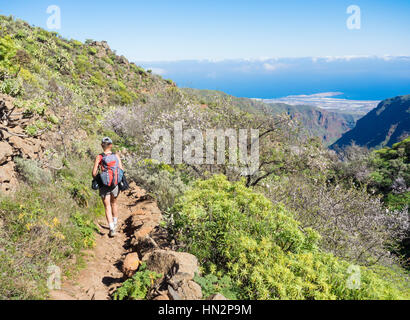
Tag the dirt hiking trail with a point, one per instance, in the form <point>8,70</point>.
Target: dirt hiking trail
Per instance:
<point>103,272</point>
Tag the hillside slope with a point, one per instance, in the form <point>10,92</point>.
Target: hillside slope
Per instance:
<point>54,91</point>
<point>327,125</point>
<point>383,126</point>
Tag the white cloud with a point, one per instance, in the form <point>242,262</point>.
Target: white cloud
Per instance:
<point>346,58</point>
<point>158,71</point>
<point>273,67</point>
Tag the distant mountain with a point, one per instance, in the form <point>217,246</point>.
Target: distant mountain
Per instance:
<point>328,125</point>
<point>385,125</point>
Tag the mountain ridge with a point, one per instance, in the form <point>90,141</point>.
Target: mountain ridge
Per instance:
<point>329,125</point>
<point>385,125</point>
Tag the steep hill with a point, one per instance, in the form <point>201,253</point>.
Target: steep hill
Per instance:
<point>327,125</point>
<point>383,126</point>
<point>53,91</point>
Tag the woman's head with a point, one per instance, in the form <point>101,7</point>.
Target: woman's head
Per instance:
<point>106,143</point>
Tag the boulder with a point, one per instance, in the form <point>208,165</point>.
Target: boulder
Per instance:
<point>8,179</point>
<point>162,296</point>
<point>5,151</point>
<point>187,290</point>
<point>6,102</point>
<point>145,230</point>
<point>183,265</point>
<point>144,245</point>
<point>122,60</point>
<point>27,147</point>
<point>217,296</point>
<point>172,294</point>
<point>131,264</point>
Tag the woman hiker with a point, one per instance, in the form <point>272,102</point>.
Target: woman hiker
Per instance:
<point>109,164</point>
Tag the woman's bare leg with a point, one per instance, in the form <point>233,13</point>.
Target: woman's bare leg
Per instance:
<point>114,207</point>
<point>107,206</point>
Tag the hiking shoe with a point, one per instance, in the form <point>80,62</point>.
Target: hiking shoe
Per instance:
<point>112,233</point>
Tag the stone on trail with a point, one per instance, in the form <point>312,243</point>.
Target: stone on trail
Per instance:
<point>217,296</point>
<point>131,264</point>
<point>166,261</point>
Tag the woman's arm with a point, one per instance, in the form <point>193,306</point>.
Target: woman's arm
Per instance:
<point>95,168</point>
<point>120,163</point>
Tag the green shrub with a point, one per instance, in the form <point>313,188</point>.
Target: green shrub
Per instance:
<point>108,60</point>
<point>160,180</point>
<point>98,79</point>
<point>87,228</point>
<point>211,284</point>
<point>31,172</point>
<point>126,97</point>
<point>32,107</point>
<point>398,201</point>
<point>8,50</point>
<point>37,128</point>
<point>240,233</point>
<point>82,64</point>
<point>42,38</point>
<point>390,174</point>
<point>92,50</point>
<point>42,225</point>
<point>12,87</point>
<point>137,287</point>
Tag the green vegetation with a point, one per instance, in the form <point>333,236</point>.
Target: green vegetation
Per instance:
<point>41,225</point>
<point>137,287</point>
<point>291,230</point>
<point>391,174</point>
<point>237,232</point>
<point>211,284</point>
<point>30,58</point>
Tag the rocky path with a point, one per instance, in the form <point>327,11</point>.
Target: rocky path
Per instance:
<point>138,217</point>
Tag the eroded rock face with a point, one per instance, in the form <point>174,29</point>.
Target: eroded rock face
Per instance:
<point>6,151</point>
<point>8,177</point>
<point>27,148</point>
<point>14,143</point>
<point>179,269</point>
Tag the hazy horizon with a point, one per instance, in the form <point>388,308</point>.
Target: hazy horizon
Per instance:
<point>356,77</point>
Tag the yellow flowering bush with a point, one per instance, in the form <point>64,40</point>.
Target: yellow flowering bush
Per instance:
<point>235,231</point>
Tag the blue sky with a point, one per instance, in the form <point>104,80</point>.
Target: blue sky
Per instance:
<point>163,30</point>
